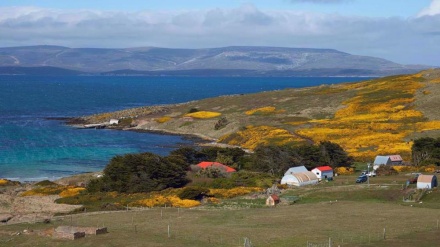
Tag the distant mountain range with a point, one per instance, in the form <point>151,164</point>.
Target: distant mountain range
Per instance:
<point>226,61</point>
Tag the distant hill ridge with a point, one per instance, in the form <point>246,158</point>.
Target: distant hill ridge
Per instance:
<point>224,61</point>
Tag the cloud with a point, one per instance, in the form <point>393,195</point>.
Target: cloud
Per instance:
<point>433,9</point>
<point>412,40</point>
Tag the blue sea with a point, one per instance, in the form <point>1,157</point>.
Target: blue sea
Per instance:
<point>33,147</point>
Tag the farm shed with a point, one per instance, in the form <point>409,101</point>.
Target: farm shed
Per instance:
<point>296,169</point>
<point>300,179</point>
<point>426,181</point>
<point>323,172</point>
<point>388,160</point>
<point>272,200</point>
<point>206,164</point>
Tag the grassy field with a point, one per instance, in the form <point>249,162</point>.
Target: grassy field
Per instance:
<point>347,213</point>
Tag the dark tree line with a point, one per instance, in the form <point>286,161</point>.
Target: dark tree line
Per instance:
<point>426,151</point>
<point>147,172</point>
<point>277,159</point>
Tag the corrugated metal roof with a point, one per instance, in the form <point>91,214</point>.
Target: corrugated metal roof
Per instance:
<point>324,168</point>
<point>206,164</point>
<point>425,178</point>
<point>396,157</point>
<point>381,160</point>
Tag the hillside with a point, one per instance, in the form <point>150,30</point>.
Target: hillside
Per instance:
<point>230,61</point>
<point>369,118</point>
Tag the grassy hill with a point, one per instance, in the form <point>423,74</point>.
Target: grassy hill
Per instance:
<point>369,118</point>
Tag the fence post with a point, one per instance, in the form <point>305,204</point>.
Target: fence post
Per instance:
<point>437,224</point>
<point>329,242</point>
<point>168,231</point>
<point>384,233</point>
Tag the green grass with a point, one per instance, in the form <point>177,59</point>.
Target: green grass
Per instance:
<point>350,214</point>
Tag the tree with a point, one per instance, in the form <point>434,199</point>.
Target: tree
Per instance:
<point>334,155</point>
<point>272,159</point>
<point>426,150</point>
<point>141,173</point>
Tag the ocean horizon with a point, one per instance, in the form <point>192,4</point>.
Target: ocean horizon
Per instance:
<point>35,145</point>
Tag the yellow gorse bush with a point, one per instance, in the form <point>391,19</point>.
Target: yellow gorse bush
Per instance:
<point>163,119</point>
<point>170,200</point>
<point>405,168</point>
<point>68,192</point>
<point>3,182</point>
<point>379,119</point>
<point>252,136</point>
<point>203,114</point>
<point>63,191</point>
<point>261,110</point>
<point>344,170</point>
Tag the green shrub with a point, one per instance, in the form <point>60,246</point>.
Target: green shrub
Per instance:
<point>193,193</point>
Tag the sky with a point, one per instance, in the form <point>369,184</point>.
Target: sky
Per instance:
<point>403,31</point>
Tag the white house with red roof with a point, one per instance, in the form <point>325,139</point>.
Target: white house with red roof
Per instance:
<point>323,172</point>
<point>220,166</point>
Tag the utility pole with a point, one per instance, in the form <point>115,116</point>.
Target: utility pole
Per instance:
<point>368,174</point>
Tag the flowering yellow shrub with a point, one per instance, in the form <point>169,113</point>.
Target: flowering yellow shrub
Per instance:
<point>261,110</point>
<point>344,170</point>
<point>428,168</point>
<point>405,168</point>
<point>54,190</point>
<point>183,203</point>
<point>431,125</point>
<point>3,182</point>
<point>68,192</point>
<point>234,192</point>
<point>252,136</point>
<point>203,114</point>
<point>377,120</point>
<point>171,200</point>
<point>163,119</point>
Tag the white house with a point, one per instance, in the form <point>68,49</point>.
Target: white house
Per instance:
<point>426,181</point>
<point>300,179</point>
<point>296,169</point>
<point>323,172</point>
<point>114,122</point>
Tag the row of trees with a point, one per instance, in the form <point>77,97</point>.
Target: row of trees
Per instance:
<point>147,172</point>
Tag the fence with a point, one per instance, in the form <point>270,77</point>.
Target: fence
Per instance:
<point>166,219</point>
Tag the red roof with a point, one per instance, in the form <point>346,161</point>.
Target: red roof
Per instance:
<point>395,158</point>
<point>324,168</point>
<point>206,164</point>
<point>275,198</point>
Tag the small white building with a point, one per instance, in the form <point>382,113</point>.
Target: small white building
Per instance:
<point>300,179</point>
<point>426,182</point>
<point>323,172</point>
<point>272,200</point>
<point>114,121</point>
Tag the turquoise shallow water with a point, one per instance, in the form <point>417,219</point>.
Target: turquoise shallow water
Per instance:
<point>35,148</point>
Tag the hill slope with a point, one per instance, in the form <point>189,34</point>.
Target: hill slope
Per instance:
<point>244,61</point>
<point>380,116</point>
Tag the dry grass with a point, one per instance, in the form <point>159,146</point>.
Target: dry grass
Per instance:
<point>347,223</point>
<point>348,213</point>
